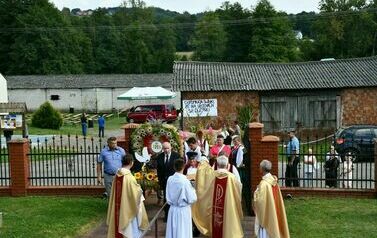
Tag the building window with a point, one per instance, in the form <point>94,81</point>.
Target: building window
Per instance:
<point>54,97</point>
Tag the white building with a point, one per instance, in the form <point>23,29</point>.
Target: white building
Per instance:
<point>90,93</point>
<point>3,90</point>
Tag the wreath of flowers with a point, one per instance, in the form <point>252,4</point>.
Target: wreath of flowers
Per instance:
<point>146,133</point>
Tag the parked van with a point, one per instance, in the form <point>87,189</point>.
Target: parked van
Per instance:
<point>143,113</point>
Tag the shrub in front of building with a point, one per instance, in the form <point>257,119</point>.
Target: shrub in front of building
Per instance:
<point>47,117</point>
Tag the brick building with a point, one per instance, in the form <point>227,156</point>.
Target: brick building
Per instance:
<point>306,95</point>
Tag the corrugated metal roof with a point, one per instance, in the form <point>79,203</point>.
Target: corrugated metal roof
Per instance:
<point>89,81</point>
<point>223,76</point>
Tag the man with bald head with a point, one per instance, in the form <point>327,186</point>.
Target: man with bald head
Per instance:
<point>165,168</point>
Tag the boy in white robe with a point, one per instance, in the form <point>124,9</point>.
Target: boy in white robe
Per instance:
<point>179,195</point>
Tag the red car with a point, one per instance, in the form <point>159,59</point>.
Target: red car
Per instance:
<point>143,113</point>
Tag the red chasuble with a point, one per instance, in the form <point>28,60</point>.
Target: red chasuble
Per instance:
<point>218,207</point>
<point>118,198</point>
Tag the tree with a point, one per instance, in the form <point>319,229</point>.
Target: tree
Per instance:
<point>45,43</point>
<point>272,37</point>
<point>137,38</point>
<point>345,30</point>
<point>164,45</point>
<point>105,42</point>
<point>9,11</point>
<point>238,35</point>
<point>303,22</point>
<point>184,30</point>
<point>209,40</point>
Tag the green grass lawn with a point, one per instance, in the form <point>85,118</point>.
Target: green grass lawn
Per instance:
<point>74,216</point>
<point>335,218</point>
<point>50,216</point>
<point>75,129</point>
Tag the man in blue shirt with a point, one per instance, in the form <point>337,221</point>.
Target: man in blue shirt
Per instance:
<point>101,126</point>
<point>293,151</point>
<point>111,157</point>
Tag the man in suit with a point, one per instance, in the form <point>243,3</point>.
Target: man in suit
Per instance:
<point>165,168</point>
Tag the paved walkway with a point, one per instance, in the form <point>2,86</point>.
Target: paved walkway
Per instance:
<point>152,208</point>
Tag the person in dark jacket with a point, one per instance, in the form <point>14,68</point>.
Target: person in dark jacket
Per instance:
<point>331,171</point>
<point>84,123</point>
<point>165,168</point>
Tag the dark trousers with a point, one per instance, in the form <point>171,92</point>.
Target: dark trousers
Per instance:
<point>291,176</point>
<point>84,127</point>
<point>331,177</point>
<point>101,131</point>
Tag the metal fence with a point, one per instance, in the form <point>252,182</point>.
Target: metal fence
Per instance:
<point>64,161</point>
<point>350,165</point>
<point>4,163</point>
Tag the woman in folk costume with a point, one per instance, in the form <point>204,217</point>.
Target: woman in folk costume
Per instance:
<point>236,156</point>
<point>202,142</point>
<point>268,205</point>
<point>218,148</point>
<point>126,215</point>
<point>180,195</point>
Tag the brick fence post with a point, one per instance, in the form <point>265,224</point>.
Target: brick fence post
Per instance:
<point>128,129</point>
<point>261,147</point>
<point>19,166</point>
<point>255,138</point>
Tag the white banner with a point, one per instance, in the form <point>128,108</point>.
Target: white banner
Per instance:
<point>200,108</point>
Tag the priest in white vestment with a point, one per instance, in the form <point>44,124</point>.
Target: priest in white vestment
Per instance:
<point>179,195</point>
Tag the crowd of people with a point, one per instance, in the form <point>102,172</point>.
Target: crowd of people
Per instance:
<point>203,188</point>
<point>202,191</point>
<point>334,168</point>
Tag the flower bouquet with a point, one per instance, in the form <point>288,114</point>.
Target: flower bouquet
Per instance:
<point>148,180</point>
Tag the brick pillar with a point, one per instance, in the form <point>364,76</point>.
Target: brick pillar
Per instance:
<point>261,147</point>
<point>128,129</point>
<point>255,137</point>
<point>19,166</point>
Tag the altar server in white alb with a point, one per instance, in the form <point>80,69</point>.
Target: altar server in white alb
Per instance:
<point>179,195</point>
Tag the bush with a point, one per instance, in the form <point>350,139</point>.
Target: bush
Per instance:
<point>47,117</point>
<point>245,115</point>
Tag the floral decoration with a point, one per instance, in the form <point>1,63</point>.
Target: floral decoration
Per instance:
<point>146,133</point>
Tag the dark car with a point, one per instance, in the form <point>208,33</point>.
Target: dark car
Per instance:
<point>359,140</point>
<point>143,113</point>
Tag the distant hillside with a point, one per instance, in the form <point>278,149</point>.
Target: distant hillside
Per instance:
<point>159,12</point>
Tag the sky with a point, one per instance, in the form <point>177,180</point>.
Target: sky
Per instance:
<point>192,6</point>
